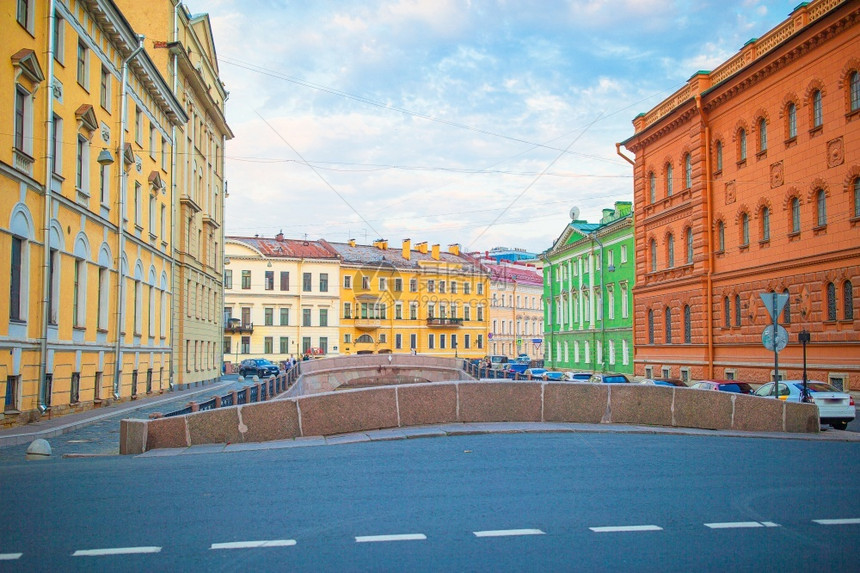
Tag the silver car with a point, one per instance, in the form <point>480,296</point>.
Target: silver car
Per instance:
<point>834,407</point>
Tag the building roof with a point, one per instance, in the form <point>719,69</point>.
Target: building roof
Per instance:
<point>373,255</point>
<point>287,248</point>
<point>522,274</point>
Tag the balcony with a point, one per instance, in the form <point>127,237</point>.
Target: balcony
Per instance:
<point>236,326</point>
<point>445,322</point>
<point>368,323</point>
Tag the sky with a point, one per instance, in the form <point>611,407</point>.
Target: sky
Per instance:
<point>477,122</point>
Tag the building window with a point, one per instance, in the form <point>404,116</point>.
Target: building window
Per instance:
<point>104,88</point>
<point>228,345</point>
<point>625,305</point>
<point>817,115</point>
<point>856,198</point>
<point>138,206</point>
<point>737,310</point>
<point>25,14</point>
<point>104,294</point>
<point>83,64</point>
<point>431,286</point>
<point>670,251</point>
<point>650,326</point>
<point>689,242</point>
<point>138,125</point>
<point>11,402</point>
<point>306,282</point>
<point>82,164</point>
<point>57,144</point>
<point>831,301</point>
<point>269,280</point>
<point>79,293</point>
<point>721,237</point>
<point>75,388</point>
<point>17,281</point>
<point>786,314</point>
<point>285,280</point>
<point>745,230</point>
<point>246,315</point>
<point>323,317</point>
<point>688,324</point>
<point>268,345</point>
<point>323,282</point>
<point>854,87</point>
<point>246,280</point>
<point>668,325</point>
<point>669,177</point>
<point>284,345</point>
<point>268,316</point>
<point>719,154</point>
<point>653,256</point>
<point>431,341</point>
<point>795,215</point>
<point>847,301</point>
<point>688,171</point>
<point>285,316</point>
<point>762,135</point>
<point>791,121</point>
<point>765,224</point>
<point>742,145</point>
<point>23,120</point>
<point>306,317</point>
<point>246,345</point>
<point>727,311</point>
<point>623,255</point>
<point>228,278</point>
<point>821,208</point>
<point>347,310</point>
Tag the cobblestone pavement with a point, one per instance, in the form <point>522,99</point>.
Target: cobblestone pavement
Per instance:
<point>101,437</point>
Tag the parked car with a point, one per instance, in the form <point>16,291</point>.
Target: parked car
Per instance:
<point>496,361</point>
<point>604,378</point>
<point>578,376</point>
<point>553,375</point>
<point>724,386</point>
<point>664,382</point>
<point>834,407</point>
<point>518,367</point>
<point>259,367</point>
<point>534,373</point>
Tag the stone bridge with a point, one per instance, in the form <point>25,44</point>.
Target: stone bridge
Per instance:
<point>372,392</point>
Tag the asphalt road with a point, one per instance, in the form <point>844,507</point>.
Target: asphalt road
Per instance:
<point>498,502</point>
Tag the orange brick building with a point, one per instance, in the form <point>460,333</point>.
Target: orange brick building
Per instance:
<point>747,180</point>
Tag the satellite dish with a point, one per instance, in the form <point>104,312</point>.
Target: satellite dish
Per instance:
<point>574,213</point>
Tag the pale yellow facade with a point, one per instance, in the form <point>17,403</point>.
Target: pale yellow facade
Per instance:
<point>516,311</point>
<point>184,51</point>
<point>281,299</point>
<point>84,315</point>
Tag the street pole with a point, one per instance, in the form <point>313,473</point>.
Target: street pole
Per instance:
<point>775,314</point>
<point>804,337</point>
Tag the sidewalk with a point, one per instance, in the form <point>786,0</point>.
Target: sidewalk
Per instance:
<point>58,425</point>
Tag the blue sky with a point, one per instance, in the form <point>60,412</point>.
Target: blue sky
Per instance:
<point>479,122</point>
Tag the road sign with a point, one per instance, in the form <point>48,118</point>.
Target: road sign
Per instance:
<point>767,338</point>
<point>774,302</point>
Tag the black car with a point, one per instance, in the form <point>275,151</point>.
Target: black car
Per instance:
<point>258,366</point>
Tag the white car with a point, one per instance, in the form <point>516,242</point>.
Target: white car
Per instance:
<point>834,407</point>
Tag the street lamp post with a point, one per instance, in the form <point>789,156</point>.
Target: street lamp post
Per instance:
<point>804,337</point>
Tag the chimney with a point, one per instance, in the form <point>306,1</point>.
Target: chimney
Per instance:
<point>351,242</point>
<point>279,236</point>
<point>407,248</point>
<point>454,249</point>
<point>435,252</point>
<point>381,244</point>
<point>422,247</point>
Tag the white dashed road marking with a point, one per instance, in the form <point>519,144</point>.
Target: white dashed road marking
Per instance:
<point>623,528</point>
<point>507,532</point>
<point>397,537</point>
<point>850,521</point>
<point>114,551</point>
<point>254,544</point>
<point>10,556</point>
<point>741,524</point>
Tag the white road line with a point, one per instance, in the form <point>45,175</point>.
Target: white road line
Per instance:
<point>850,521</point>
<point>507,532</point>
<point>621,528</point>
<point>114,551</point>
<point>397,537</point>
<point>10,556</point>
<point>254,544</point>
<point>740,524</point>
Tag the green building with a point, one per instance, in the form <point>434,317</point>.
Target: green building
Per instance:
<point>588,287</point>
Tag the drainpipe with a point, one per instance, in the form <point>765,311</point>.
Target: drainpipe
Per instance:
<point>709,237</point>
<point>174,288</point>
<point>123,180</point>
<point>622,156</point>
<point>46,252</point>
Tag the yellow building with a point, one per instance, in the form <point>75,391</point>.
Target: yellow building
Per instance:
<point>403,300</point>
<point>183,49</point>
<point>281,299</point>
<point>83,205</point>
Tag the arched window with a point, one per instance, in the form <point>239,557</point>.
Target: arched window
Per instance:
<point>670,251</point>
<point>762,135</point>
<point>719,154</point>
<point>786,313</point>
<point>857,197</point>
<point>737,310</point>
<point>831,301</point>
<point>821,207</point>
<point>745,230</point>
<point>668,325</point>
<point>721,237</point>
<point>854,82</point>
<point>817,114</point>
<point>742,145</point>
<point>727,311</point>
<point>652,188</point>
<point>689,241</point>
<point>653,256</point>
<point>795,215</point>
<point>847,301</point>
<point>688,324</point>
<point>765,224</point>
<point>791,120</point>
<point>650,326</point>
<point>688,171</point>
<point>669,176</point>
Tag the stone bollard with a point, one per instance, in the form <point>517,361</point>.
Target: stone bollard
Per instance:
<point>39,449</point>
<point>217,401</point>
<point>195,407</point>
<point>235,397</point>
<point>156,416</point>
